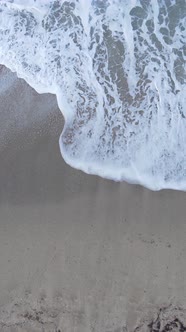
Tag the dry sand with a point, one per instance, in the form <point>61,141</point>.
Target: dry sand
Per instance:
<point>79,253</point>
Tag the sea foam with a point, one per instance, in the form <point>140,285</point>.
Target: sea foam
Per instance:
<point>117,68</point>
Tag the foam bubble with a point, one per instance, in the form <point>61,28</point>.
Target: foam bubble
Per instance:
<point>117,68</point>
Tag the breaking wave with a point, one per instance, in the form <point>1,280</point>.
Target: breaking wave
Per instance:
<point>117,68</point>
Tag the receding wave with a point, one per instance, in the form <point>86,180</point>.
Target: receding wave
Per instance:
<point>117,68</point>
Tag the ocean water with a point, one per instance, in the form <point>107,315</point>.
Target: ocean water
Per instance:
<point>118,70</point>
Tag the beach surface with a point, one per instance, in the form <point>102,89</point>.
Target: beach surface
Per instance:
<point>79,253</point>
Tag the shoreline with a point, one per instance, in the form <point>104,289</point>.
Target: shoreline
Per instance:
<point>78,252</point>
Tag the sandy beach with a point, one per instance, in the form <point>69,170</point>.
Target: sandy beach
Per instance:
<point>79,253</point>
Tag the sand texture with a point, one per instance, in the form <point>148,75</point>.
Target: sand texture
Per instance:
<point>79,253</point>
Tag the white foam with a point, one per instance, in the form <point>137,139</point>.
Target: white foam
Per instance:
<point>117,68</point>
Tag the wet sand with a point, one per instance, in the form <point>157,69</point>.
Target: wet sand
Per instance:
<point>79,253</point>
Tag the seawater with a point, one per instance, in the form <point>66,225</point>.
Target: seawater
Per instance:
<point>118,70</point>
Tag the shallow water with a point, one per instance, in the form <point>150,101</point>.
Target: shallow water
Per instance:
<point>118,71</point>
